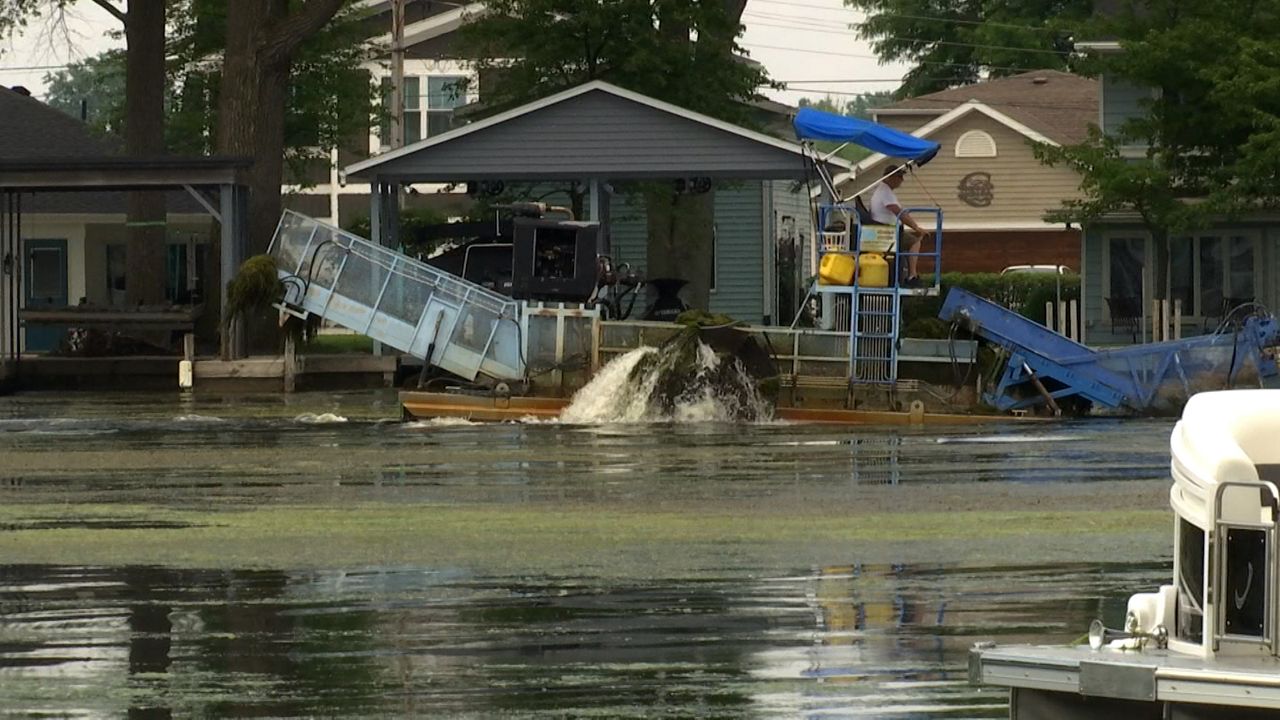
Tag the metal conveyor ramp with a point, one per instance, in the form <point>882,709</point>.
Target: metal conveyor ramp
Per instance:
<point>451,323</point>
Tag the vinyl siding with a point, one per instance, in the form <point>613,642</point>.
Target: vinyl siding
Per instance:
<point>1023,189</point>
<point>596,134</point>
<point>739,243</point>
<point>740,252</point>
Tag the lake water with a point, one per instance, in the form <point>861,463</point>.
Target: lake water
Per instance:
<point>717,602</point>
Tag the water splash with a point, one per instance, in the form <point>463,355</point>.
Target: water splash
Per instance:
<point>686,383</point>
<point>321,419</point>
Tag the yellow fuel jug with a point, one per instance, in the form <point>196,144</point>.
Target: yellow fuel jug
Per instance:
<point>873,270</point>
<point>837,269</point>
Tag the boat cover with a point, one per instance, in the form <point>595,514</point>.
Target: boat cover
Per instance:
<point>811,124</point>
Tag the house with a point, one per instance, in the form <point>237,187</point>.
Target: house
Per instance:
<point>74,244</point>
<point>1209,272</point>
<point>992,190</point>
<point>437,81</point>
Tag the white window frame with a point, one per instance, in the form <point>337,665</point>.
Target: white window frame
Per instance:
<point>1148,279</point>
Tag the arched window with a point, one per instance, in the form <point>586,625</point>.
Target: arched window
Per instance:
<point>975,144</point>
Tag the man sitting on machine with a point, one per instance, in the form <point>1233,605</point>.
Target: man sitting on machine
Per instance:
<point>886,210</point>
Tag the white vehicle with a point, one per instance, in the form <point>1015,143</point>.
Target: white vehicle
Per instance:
<point>1206,646</point>
<point>1059,269</point>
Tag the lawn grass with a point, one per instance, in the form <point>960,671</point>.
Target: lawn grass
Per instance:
<point>337,344</point>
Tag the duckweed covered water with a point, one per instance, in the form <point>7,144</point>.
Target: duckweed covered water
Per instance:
<point>309,556</point>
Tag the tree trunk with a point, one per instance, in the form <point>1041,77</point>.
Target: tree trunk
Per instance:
<point>262,36</point>
<point>681,228</point>
<point>144,137</point>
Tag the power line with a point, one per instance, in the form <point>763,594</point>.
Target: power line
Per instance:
<point>908,16</point>
<point>842,81</point>
<point>954,104</point>
<point>952,43</point>
<point>873,57</point>
<point>32,68</point>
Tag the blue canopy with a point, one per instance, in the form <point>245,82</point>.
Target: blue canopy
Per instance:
<point>813,124</point>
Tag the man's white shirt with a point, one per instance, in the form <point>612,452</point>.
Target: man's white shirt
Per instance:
<point>881,199</point>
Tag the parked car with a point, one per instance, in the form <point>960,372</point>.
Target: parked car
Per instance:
<point>1059,269</point>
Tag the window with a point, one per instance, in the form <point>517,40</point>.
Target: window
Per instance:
<point>412,110</point>
<point>185,266</point>
<point>1208,273</point>
<point>1125,259</point>
<point>975,144</point>
<point>428,111</point>
<point>444,94</point>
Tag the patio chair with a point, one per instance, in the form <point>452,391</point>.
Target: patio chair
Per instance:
<point>1126,313</point>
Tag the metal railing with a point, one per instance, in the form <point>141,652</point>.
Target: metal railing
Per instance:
<point>407,304</point>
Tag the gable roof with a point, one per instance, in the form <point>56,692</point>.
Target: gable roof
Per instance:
<point>593,130</point>
<point>35,131</point>
<point>1058,105</point>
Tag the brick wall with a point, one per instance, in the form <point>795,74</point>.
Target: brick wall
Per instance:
<point>976,251</point>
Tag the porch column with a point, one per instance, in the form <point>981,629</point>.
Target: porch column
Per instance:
<point>234,206</point>
<point>384,213</point>
<point>598,210</point>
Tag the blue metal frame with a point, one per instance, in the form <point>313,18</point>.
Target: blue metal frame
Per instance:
<point>861,298</point>
<point>1130,377</point>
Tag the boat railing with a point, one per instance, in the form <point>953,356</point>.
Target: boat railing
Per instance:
<point>1237,542</point>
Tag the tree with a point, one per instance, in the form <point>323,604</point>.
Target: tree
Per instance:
<point>1208,136</point>
<point>262,41</point>
<point>684,52</point>
<point>98,83</point>
<point>957,42</point>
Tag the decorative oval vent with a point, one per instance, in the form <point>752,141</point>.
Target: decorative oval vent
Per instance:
<point>975,144</point>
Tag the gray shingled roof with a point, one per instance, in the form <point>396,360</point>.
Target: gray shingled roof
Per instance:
<point>34,131</point>
<point>1056,104</point>
<point>31,130</point>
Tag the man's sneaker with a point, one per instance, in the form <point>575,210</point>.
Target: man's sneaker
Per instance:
<point>912,282</point>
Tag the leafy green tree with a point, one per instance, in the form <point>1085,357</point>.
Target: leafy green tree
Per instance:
<point>1207,144</point>
<point>98,82</point>
<point>682,51</point>
<point>957,42</point>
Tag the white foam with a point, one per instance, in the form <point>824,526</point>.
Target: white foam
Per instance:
<point>438,422</point>
<point>194,418</point>
<point>615,395</point>
<point>321,419</point>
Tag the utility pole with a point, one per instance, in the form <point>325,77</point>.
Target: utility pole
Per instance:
<point>397,73</point>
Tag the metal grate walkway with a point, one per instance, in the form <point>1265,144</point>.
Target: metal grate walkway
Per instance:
<point>451,323</point>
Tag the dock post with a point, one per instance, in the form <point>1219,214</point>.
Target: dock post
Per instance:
<point>186,367</point>
<point>290,364</point>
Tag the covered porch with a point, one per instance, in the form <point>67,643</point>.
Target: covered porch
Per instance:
<point>604,137</point>
<point>1209,274</point>
<point>29,264</point>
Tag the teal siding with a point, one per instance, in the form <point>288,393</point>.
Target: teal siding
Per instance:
<point>791,214</point>
<point>630,236</point>
<point>739,222</point>
<point>1121,101</point>
<point>739,245</point>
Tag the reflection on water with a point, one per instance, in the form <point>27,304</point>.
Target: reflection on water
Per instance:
<point>864,641</point>
<point>753,637</point>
